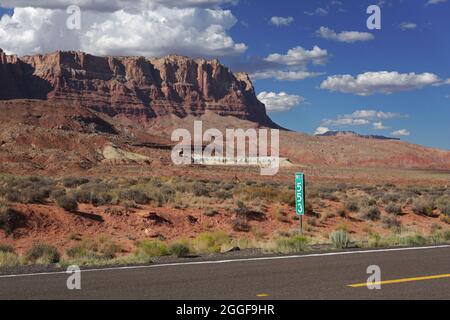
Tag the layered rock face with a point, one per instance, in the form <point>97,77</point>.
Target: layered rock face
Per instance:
<point>132,86</point>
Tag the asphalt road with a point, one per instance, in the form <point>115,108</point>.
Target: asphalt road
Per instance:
<point>299,277</point>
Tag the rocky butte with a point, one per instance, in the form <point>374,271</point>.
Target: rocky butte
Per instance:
<point>136,87</point>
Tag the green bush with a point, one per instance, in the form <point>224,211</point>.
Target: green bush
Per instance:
<point>391,223</point>
<point>413,240</point>
<point>241,209</point>
<point>6,248</point>
<point>9,259</point>
<point>152,248</point>
<point>371,213</point>
<point>341,213</point>
<point>210,242</point>
<point>179,249</point>
<point>68,203</point>
<point>241,225</point>
<point>137,196</point>
<point>211,213</point>
<point>200,190</point>
<point>10,219</point>
<point>352,206</point>
<point>340,239</point>
<point>291,245</point>
<point>72,182</point>
<point>393,208</point>
<point>443,204</point>
<point>42,254</point>
<point>423,207</point>
<point>90,250</point>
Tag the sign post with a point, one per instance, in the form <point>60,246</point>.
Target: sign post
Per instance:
<point>300,197</point>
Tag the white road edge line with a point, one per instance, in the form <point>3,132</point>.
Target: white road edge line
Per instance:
<point>229,261</point>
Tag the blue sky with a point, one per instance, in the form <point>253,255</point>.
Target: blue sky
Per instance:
<point>423,49</point>
<point>413,42</point>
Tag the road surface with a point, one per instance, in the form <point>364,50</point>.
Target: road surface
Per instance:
<point>420,273</point>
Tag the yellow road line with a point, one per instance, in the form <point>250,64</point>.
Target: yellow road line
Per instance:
<point>441,276</point>
<point>262,295</point>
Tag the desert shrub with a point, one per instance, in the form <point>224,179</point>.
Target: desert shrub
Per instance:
<point>443,204</point>
<point>179,249</point>
<point>391,223</point>
<point>137,196</point>
<point>80,252</point>
<point>6,248</point>
<point>55,194</point>
<point>368,202</point>
<point>281,216</point>
<point>223,195</point>
<point>93,250</point>
<point>394,209</point>
<point>34,195</point>
<point>152,248</point>
<point>371,213</point>
<point>352,206</point>
<point>101,199</point>
<point>445,219</point>
<point>42,254</point>
<point>9,259</point>
<point>390,197</point>
<point>328,196</point>
<point>10,219</point>
<point>375,241</point>
<point>240,225</point>
<point>413,240</point>
<point>200,190</point>
<point>423,207</point>
<point>211,213</point>
<point>241,209</point>
<point>68,203</point>
<point>291,244</point>
<point>313,222</point>
<point>11,195</point>
<point>72,182</point>
<point>436,238</point>
<point>228,186</point>
<point>210,242</point>
<point>340,239</point>
<point>128,205</point>
<point>445,209</point>
<point>341,212</point>
<point>168,193</point>
<point>446,235</point>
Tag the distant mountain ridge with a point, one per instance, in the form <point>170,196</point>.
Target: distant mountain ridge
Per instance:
<point>354,134</point>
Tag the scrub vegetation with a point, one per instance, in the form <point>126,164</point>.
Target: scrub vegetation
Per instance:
<point>338,216</point>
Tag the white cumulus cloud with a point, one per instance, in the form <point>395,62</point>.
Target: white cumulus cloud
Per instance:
<point>408,26</point>
<point>279,102</point>
<point>345,122</point>
<point>281,21</point>
<point>113,5</point>
<point>374,114</point>
<point>299,56</point>
<point>344,36</point>
<point>379,82</point>
<point>196,30</point>
<point>401,133</point>
<point>285,75</point>
<point>318,12</point>
<point>321,130</point>
<point>431,2</point>
<point>379,126</point>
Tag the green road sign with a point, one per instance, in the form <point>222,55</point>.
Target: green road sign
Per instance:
<point>300,193</point>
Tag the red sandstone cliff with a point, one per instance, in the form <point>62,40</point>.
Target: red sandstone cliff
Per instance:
<point>132,86</point>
